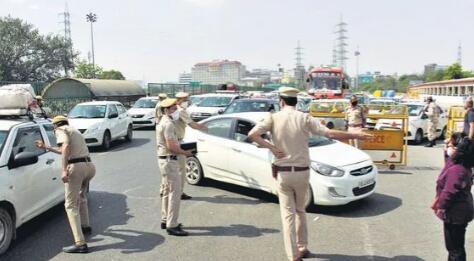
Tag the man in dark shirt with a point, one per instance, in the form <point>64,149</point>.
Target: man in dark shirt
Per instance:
<point>469,119</point>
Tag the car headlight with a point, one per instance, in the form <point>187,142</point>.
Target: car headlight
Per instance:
<point>150,115</point>
<point>326,170</point>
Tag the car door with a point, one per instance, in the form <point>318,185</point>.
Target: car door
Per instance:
<point>32,183</point>
<point>113,122</point>
<point>55,161</point>
<point>213,148</point>
<point>250,163</point>
<point>123,119</point>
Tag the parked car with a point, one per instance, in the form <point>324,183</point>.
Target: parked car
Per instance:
<point>101,122</point>
<point>143,112</point>
<point>225,154</point>
<point>210,104</point>
<point>417,123</point>
<point>378,106</point>
<point>30,180</point>
<point>252,105</point>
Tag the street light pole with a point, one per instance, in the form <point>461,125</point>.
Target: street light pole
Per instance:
<point>92,18</point>
<point>357,53</point>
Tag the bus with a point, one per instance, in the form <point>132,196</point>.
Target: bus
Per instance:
<point>327,83</point>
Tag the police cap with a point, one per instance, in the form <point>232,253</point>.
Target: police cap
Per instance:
<point>168,102</point>
<point>58,119</point>
<point>163,95</point>
<point>181,95</point>
<point>288,92</point>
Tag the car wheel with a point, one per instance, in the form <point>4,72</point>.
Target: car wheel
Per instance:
<point>309,200</point>
<point>129,135</point>
<point>330,125</point>
<point>419,136</point>
<point>7,230</point>
<point>107,140</point>
<point>194,173</point>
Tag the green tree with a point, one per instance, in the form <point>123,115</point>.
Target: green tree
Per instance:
<point>434,76</point>
<point>453,72</point>
<point>85,70</point>
<point>26,55</point>
<point>112,75</point>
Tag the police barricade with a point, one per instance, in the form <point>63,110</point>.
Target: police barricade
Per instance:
<point>455,120</point>
<point>330,113</point>
<point>387,124</point>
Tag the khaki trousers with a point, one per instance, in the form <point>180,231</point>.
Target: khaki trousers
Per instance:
<point>171,189</point>
<point>76,191</point>
<point>354,142</point>
<point>432,126</point>
<point>182,170</point>
<point>292,188</point>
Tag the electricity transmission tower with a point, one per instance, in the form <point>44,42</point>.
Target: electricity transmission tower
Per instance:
<point>68,52</point>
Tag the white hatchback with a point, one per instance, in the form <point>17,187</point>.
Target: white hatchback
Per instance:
<point>30,180</point>
<point>339,173</point>
<point>143,112</point>
<point>101,122</point>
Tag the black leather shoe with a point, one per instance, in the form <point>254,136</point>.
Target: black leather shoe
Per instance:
<point>86,230</point>
<point>304,254</point>
<point>184,196</point>
<point>82,249</point>
<point>163,225</point>
<point>429,145</point>
<point>177,231</point>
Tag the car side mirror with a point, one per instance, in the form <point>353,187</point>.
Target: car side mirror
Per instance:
<point>113,115</point>
<point>23,159</point>
<point>221,111</point>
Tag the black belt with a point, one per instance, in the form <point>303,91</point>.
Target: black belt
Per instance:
<point>85,159</point>
<point>171,157</point>
<point>289,168</point>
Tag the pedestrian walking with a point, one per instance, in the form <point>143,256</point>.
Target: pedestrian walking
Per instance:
<point>168,151</point>
<point>469,118</point>
<point>77,171</point>
<point>453,203</point>
<point>290,130</point>
<point>184,120</point>
<point>355,119</point>
<point>433,111</point>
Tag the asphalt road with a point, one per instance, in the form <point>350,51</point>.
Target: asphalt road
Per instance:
<point>233,223</point>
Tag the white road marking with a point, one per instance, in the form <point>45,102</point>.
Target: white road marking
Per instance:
<point>368,246</point>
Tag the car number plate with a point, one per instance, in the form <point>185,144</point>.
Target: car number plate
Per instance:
<point>365,183</point>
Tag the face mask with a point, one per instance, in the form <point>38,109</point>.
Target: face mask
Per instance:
<point>450,151</point>
<point>184,105</point>
<point>175,115</point>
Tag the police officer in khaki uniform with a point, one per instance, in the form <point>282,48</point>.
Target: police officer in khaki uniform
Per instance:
<point>432,110</point>
<point>161,97</point>
<point>290,131</point>
<point>184,120</point>
<point>355,119</point>
<point>77,171</point>
<point>168,151</point>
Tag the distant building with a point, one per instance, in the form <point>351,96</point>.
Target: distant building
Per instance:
<point>218,72</point>
<point>185,77</point>
<point>434,67</point>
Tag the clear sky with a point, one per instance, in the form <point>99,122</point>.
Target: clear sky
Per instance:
<point>155,40</point>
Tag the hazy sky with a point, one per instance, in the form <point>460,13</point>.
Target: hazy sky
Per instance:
<point>155,40</point>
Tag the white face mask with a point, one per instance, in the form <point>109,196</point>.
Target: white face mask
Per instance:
<point>450,151</point>
<point>175,115</point>
<point>184,105</point>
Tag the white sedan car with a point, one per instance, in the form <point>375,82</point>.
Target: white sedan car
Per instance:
<point>339,173</point>
<point>101,122</point>
<point>143,112</point>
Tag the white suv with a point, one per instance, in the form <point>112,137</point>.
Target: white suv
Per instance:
<point>143,112</point>
<point>30,180</point>
<point>101,122</point>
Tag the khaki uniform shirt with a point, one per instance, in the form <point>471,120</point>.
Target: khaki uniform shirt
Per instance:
<point>165,131</point>
<point>432,110</point>
<point>291,130</point>
<point>182,123</point>
<point>67,135</point>
<point>355,115</point>
<point>158,113</point>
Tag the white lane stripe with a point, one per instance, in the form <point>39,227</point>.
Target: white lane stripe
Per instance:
<point>368,246</point>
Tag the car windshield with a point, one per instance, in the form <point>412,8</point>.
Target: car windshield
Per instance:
<point>414,110</point>
<point>145,103</point>
<point>214,102</point>
<point>316,141</point>
<point>249,106</point>
<point>3,137</point>
<point>195,100</point>
<point>326,83</point>
<point>87,111</point>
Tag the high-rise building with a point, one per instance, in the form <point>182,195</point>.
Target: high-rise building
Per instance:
<point>185,77</point>
<point>218,72</point>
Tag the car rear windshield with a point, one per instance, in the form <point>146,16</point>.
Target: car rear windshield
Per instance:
<point>214,102</point>
<point>87,111</point>
<point>414,110</point>
<point>249,106</point>
<point>317,141</point>
<point>145,103</point>
<point>3,137</point>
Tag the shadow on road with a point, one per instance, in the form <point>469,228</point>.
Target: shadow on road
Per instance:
<point>259,195</point>
<point>374,205</point>
<point>121,144</point>
<point>224,199</point>
<point>44,237</point>
<point>394,172</point>
<point>238,230</point>
<point>333,257</point>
